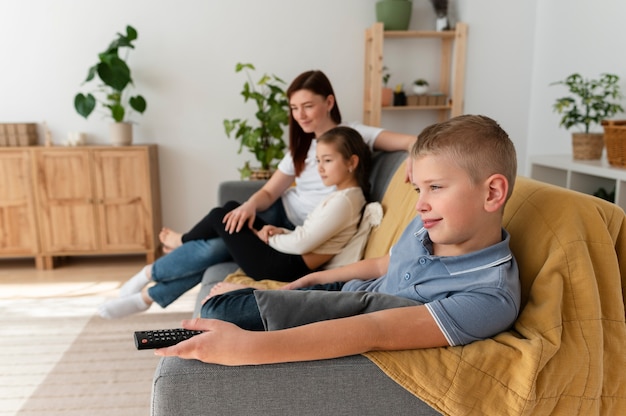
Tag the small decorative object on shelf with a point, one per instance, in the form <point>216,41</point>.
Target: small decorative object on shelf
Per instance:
<point>387,93</point>
<point>615,141</point>
<point>265,140</point>
<point>441,10</point>
<point>590,102</point>
<point>399,97</point>
<point>18,134</point>
<point>115,77</point>
<point>420,86</point>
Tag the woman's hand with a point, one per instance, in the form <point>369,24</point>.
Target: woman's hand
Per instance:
<point>267,231</point>
<point>236,218</point>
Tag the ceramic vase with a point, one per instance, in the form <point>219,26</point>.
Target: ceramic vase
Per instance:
<point>121,134</point>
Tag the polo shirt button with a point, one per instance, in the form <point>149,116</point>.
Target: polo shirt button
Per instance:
<point>422,261</point>
<point>407,276</point>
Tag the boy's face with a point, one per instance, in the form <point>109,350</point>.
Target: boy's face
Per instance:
<point>451,206</point>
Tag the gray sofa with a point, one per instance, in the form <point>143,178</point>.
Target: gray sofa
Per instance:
<point>344,386</point>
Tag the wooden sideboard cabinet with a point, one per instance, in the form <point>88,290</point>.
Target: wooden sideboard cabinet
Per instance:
<point>95,200</point>
<point>18,226</point>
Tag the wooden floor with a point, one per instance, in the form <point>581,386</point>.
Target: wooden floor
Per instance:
<point>67,296</point>
<point>19,277</point>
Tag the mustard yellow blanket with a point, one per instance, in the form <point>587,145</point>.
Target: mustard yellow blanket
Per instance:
<point>566,354</point>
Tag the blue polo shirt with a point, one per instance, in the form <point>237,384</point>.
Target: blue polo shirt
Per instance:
<point>471,297</point>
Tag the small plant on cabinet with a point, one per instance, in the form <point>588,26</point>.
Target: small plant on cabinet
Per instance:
<point>115,75</point>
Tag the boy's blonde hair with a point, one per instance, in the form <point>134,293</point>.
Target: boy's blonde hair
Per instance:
<point>476,143</point>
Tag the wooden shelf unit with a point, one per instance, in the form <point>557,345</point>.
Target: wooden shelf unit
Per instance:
<point>585,176</point>
<point>82,200</point>
<point>451,70</point>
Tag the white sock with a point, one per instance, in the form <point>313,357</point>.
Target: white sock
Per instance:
<point>121,307</point>
<point>135,284</point>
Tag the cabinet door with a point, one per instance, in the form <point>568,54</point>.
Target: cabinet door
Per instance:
<point>123,199</point>
<point>66,205</point>
<point>18,235</point>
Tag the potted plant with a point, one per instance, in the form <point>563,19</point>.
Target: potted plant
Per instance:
<point>420,86</point>
<point>590,101</point>
<point>265,140</point>
<point>387,93</point>
<point>394,14</point>
<point>114,75</point>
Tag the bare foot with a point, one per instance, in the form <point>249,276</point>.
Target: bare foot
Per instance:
<point>170,239</point>
<point>223,287</point>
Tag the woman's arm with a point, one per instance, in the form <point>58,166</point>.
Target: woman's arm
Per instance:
<point>259,201</point>
<point>364,270</point>
<point>392,329</point>
<point>390,141</point>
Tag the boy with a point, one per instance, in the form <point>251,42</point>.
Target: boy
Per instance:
<point>452,276</point>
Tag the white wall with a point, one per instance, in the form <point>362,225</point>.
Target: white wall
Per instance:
<point>186,52</point>
<point>584,36</point>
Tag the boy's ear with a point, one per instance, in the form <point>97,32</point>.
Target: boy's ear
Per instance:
<point>498,188</point>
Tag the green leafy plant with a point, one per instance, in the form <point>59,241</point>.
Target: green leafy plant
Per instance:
<point>265,140</point>
<point>115,76</point>
<point>421,82</point>
<point>590,102</point>
<point>386,76</point>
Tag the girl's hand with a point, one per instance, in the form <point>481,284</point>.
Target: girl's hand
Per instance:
<point>236,218</point>
<point>267,231</point>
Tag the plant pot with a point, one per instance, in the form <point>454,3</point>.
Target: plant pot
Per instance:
<point>587,146</point>
<point>386,97</point>
<point>394,14</point>
<point>121,134</point>
<point>420,89</point>
<point>261,174</point>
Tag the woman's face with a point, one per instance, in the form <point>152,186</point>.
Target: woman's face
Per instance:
<point>312,111</point>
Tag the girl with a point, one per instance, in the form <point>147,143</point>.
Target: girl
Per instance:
<point>268,251</point>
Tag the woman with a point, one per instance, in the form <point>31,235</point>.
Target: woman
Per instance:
<point>267,251</point>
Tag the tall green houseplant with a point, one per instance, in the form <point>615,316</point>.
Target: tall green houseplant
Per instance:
<point>115,77</point>
<point>265,139</point>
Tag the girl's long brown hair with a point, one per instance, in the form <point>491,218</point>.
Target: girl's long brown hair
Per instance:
<point>299,141</point>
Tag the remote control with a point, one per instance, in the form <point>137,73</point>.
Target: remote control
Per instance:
<point>160,338</point>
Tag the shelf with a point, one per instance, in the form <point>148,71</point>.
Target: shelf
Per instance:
<point>397,34</point>
<point>415,107</point>
<point>451,80</point>
<point>585,176</point>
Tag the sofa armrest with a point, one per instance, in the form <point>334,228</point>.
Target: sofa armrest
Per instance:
<point>238,191</point>
<point>344,386</point>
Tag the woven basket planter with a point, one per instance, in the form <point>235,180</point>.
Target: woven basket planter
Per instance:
<point>615,141</point>
<point>587,146</point>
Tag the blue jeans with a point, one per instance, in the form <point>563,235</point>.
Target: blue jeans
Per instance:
<point>182,269</point>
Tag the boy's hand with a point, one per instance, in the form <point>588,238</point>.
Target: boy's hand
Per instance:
<point>218,344</point>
